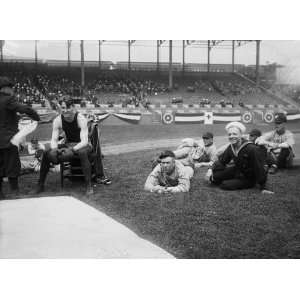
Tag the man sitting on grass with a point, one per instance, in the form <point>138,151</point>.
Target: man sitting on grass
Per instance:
<point>279,143</point>
<point>169,176</point>
<point>209,151</point>
<point>248,169</point>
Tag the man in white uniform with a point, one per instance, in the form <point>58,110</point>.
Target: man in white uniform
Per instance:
<point>279,143</point>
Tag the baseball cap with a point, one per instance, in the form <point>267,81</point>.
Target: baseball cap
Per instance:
<point>5,82</point>
<point>255,132</point>
<point>280,118</point>
<point>207,135</point>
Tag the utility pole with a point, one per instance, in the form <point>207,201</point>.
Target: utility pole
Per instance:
<point>183,56</point>
<point>158,44</point>
<point>130,42</point>
<point>157,55</point>
<point>129,65</point>
<point>35,52</point>
<point>170,66</point>
<point>233,56</point>
<point>257,61</point>
<point>1,49</point>
<point>208,56</point>
<point>99,59</point>
<point>69,53</point>
<point>82,65</point>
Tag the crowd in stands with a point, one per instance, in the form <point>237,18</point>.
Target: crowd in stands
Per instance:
<point>292,91</point>
<point>137,89</point>
<point>35,86</point>
<point>235,87</point>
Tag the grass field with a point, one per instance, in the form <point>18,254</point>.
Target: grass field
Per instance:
<point>204,223</point>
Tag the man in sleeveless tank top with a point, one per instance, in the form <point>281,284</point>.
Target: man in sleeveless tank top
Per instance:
<point>77,144</point>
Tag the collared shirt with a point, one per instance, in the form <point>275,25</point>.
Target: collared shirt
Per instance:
<point>274,137</point>
<point>178,179</point>
<point>285,140</point>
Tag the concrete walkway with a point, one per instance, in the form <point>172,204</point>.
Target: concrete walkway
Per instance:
<point>64,227</point>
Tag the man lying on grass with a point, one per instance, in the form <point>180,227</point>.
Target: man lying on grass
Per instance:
<point>249,164</point>
<point>196,155</point>
<point>169,176</point>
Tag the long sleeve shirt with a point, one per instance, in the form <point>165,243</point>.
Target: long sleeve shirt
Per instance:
<point>249,162</point>
<point>275,141</point>
<point>9,119</point>
<point>177,181</point>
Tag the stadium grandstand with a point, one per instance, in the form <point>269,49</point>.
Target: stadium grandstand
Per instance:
<point>144,83</point>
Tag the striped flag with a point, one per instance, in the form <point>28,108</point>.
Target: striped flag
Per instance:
<point>189,118</point>
<point>101,116</point>
<point>221,117</point>
<point>295,116</point>
<point>129,117</point>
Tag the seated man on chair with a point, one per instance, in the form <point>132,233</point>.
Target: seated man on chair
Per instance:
<point>77,144</point>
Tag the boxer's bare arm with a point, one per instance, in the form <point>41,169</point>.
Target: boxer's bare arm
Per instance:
<point>84,132</point>
<point>55,132</point>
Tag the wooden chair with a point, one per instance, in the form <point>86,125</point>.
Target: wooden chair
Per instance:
<point>72,170</point>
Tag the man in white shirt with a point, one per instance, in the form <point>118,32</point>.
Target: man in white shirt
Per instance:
<point>209,155</point>
<point>169,176</point>
<point>279,143</point>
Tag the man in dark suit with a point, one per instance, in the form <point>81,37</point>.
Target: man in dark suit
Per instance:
<point>10,164</point>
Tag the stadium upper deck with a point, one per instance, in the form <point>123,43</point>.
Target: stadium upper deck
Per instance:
<point>114,84</point>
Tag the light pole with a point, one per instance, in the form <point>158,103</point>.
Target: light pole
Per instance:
<point>82,65</point>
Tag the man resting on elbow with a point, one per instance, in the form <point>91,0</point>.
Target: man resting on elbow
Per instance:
<point>169,176</point>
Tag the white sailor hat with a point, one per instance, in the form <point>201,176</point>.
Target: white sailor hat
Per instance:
<point>236,124</point>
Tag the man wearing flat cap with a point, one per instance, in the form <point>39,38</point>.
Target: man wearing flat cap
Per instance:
<point>248,169</point>
<point>9,155</point>
<point>279,143</point>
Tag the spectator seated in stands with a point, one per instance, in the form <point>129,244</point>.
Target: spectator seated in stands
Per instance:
<point>169,176</point>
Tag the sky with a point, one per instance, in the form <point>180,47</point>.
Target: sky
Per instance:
<point>284,52</point>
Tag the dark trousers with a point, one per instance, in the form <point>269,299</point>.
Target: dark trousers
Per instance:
<point>99,169</point>
<point>280,160</point>
<point>230,179</point>
<point>50,156</point>
<point>10,166</point>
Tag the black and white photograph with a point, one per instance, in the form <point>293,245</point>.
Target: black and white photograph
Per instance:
<point>169,148</point>
<point>169,158</point>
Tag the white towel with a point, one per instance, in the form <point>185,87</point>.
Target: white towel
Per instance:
<point>24,130</point>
